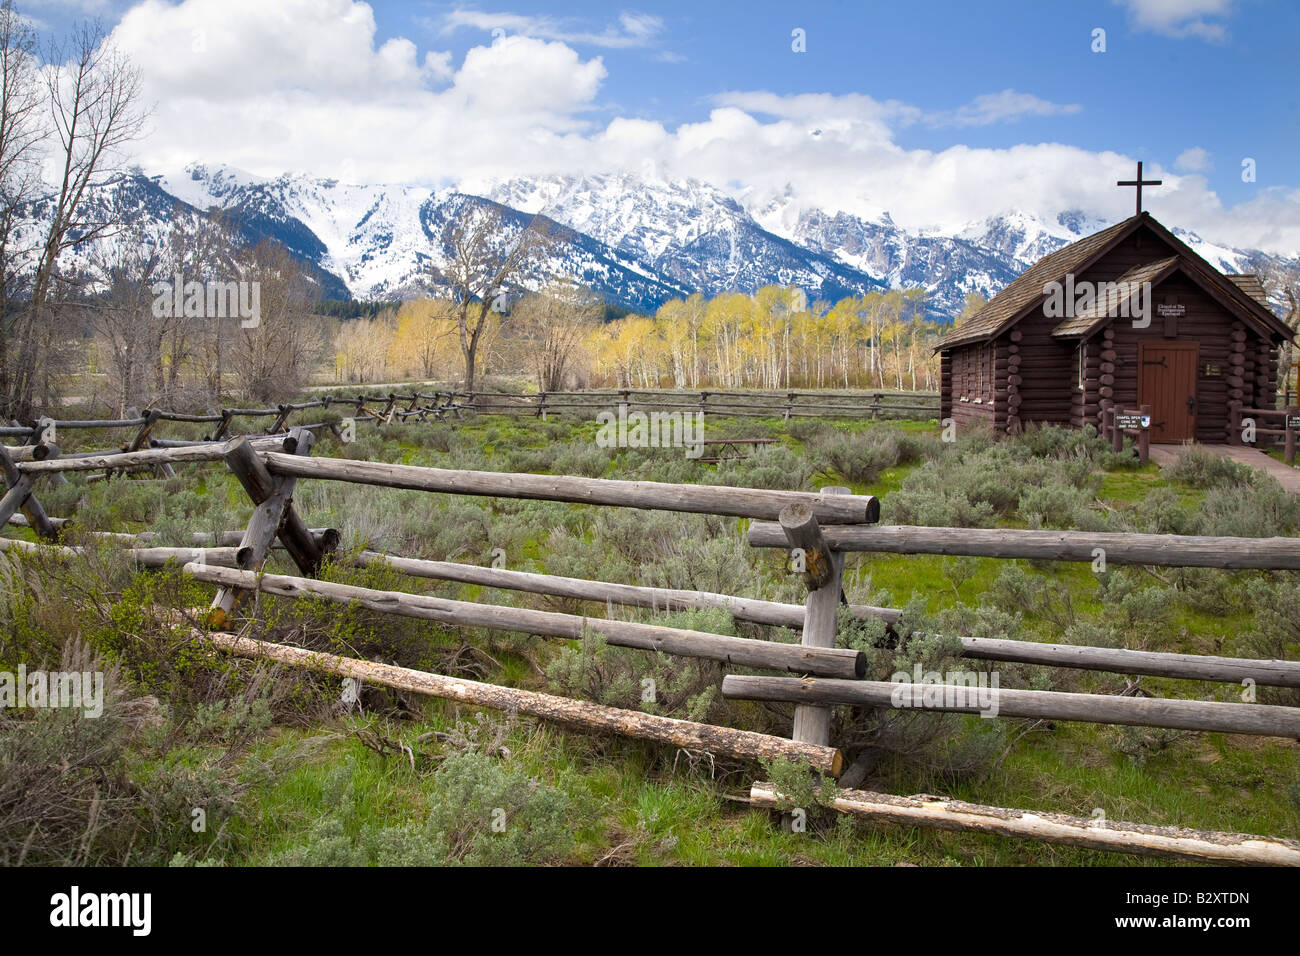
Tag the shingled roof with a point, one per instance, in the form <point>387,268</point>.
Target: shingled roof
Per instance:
<point>1249,283</point>
<point>1102,311</point>
<point>1244,292</point>
<point>1027,288</point>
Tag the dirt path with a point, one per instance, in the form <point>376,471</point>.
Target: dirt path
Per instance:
<point>1287,477</point>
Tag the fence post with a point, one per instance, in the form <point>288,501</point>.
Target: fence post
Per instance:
<point>1291,411</point>
<point>274,515</point>
<point>1234,422</point>
<point>541,405</point>
<point>1144,437</point>
<point>277,426</point>
<point>141,441</point>
<point>19,496</point>
<point>823,575</point>
<point>223,426</point>
<point>789,405</point>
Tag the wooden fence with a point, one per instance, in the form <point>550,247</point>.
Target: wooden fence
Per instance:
<point>379,409</point>
<point>730,403</point>
<point>1135,423</point>
<point>1280,425</point>
<point>417,406</point>
<point>814,675</point>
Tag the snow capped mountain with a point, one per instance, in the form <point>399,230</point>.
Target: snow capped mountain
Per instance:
<point>948,267</point>
<point>637,241</point>
<point>687,231</point>
<point>1025,239</point>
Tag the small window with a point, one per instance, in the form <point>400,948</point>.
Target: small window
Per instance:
<point>1083,361</point>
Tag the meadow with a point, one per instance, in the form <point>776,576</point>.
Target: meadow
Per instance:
<point>285,768</point>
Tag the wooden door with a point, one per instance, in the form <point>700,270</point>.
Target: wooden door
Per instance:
<point>1167,382</point>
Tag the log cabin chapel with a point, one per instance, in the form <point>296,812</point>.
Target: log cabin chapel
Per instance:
<point>1072,336</point>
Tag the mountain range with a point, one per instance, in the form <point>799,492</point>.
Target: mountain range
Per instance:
<point>636,241</point>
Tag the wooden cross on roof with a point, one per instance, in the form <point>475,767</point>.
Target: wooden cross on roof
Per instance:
<point>1139,183</point>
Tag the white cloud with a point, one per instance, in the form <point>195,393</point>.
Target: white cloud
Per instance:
<point>633,29</point>
<point>1005,107</point>
<point>308,86</point>
<point>1194,160</point>
<point>1180,18</point>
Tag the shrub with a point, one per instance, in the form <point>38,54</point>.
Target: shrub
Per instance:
<point>862,456</point>
<point>1092,634</point>
<point>1140,744</point>
<point>978,482</point>
<point>942,745</point>
<point>807,430</point>
<point>78,791</point>
<point>580,458</point>
<point>482,812</point>
<point>1256,508</point>
<point>1275,631</point>
<point>660,684</point>
<point>1014,589</point>
<point>1058,505</point>
<point>1139,612</point>
<point>1203,469</point>
<point>770,466</point>
<point>488,814</point>
<point>1161,512</point>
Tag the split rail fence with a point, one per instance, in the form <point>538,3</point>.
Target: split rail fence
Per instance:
<point>380,409</point>
<point>417,406</point>
<point>1279,425</point>
<point>814,675</point>
<point>731,403</point>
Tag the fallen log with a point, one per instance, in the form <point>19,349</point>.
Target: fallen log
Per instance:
<point>740,651</point>
<point>651,495</point>
<point>1232,718</point>
<point>1165,550</point>
<point>1176,843</point>
<point>594,718</point>
<point>22,522</point>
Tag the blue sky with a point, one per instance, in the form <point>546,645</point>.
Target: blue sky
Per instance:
<point>1152,94</point>
<point>938,113</point>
